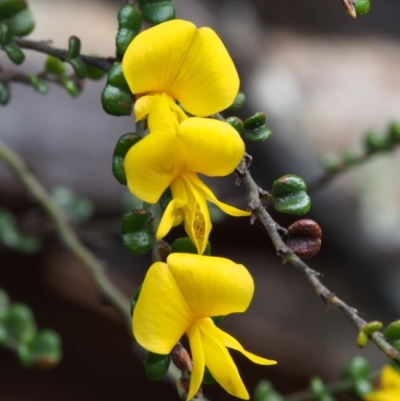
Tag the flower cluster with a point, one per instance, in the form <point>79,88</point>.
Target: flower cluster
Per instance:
<point>180,75</point>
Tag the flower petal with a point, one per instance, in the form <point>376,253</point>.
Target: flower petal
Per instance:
<point>210,147</point>
<point>196,349</point>
<point>161,314</point>
<point>154,58</point>
<point>219,362</point>
<point>390,377</point>
<point>207,82</point>
<point>190,65</point>
<point>232,211</point>
<point>384,394</point>
<point>152,164</point>
<point>212,286</point>
<point>174,213</point>
<point>162,111</point>
<point>231,342</point>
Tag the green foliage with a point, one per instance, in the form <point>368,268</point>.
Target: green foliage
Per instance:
<point>156,365</point>
<point>129,25</point>
<point>94,73</point>
<point>5,94</point>
<point>74,58</point>
<point>185,245</point>
<point>10,7</point>
<point>121,149</point>
<point>78,208</point>
<point>135,233</point>
<point>55,66</point>
<point>255,129</point>
<point>266,392</point>
<point>208,378</point>
<point>116,97</point>
<point>358,371</point>
<point>290,195</point>
<point>18,332</point>
<point>12,238</point>
<point>38,84</point>
<point>238,103</point>
<point>236,123</point>
<point>22,23</point>
<point>157,11</point>
<point>362,6</point>
<point>165,198</point>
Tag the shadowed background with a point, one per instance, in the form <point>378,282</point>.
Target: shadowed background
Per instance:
<point>323,80</point>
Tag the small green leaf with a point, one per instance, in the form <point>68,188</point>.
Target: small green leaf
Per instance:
<point>20,324</point>
<point>258,134</point>
<point>362,387</point>
<point>317,387</point>
<point>290,196</point>
<point>394,132</point>
<point>255,121</point>
<point>392,332</point>
<point>375,143</point>
<point>157,11</point>
<point>135,298</point>
<point>38,84</point>
<point>330,163</point>
<point>121,149</point>
<point>156,365</point>
<point>79,66</point>
<point>362,339</point>
<point>94,73</point>
<point>14,53</point>
<point>238,103</point>
<point>55,66</point>
<point>266,392</point>
<point>22,23</point>
<point>45,349</point>
<point>349,157</point>
<point>362,6</point>
<point>116,78</point>
<point>70,86</point>
<point>356,369</point>
<point>372,327</point>
<point>208,378</point>
<point>129,24</point>
<point>116,101</point>
<point>10,7</point>
<point>236,123</point>
<point>74,47</point>
<point>185,245</point>
<point>5,94</point>
<point>135,234</point>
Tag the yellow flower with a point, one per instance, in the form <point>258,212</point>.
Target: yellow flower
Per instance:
<point>181,296</point>
<point>390,386</point>
<point>187,64</point>
<point>164,159</point>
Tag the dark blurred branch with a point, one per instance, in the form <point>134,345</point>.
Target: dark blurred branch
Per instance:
<point>104,63</point>
<point>94,267</point>
<point>309,274</point>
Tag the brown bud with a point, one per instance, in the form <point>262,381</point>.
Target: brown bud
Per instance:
<point>163,250</point>
<point>304,238</point>
<point>183,385</point>
<point>349,7</point>
<point>181,358</point>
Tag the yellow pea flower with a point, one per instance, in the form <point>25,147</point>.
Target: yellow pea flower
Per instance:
<point>389,386</point>
<point>164,159</point>
<point>188,65</point>
<point>180,297</point>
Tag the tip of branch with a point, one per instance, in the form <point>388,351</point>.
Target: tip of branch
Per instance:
<point>350,9</point>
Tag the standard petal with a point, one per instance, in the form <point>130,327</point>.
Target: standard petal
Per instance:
<point>152,164</point>
<point>161,314</point>
<point>212,286</point>
<point>231,342</point>
<point>210,147</point>
<point>155,56</point>
<point>232,211</point>
<point>207,81</point>
<point>219,362</point>
<point>196,348</point>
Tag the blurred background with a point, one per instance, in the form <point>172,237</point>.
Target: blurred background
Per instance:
<point>323,80</point>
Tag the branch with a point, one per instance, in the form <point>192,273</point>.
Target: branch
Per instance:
<point>66,233</point>
<point>104,63</point>
<point>309,274</point>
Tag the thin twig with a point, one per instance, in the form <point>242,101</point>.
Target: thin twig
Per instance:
<point>67,235</point>
<point>104,63</point>
<point>309,274</point>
